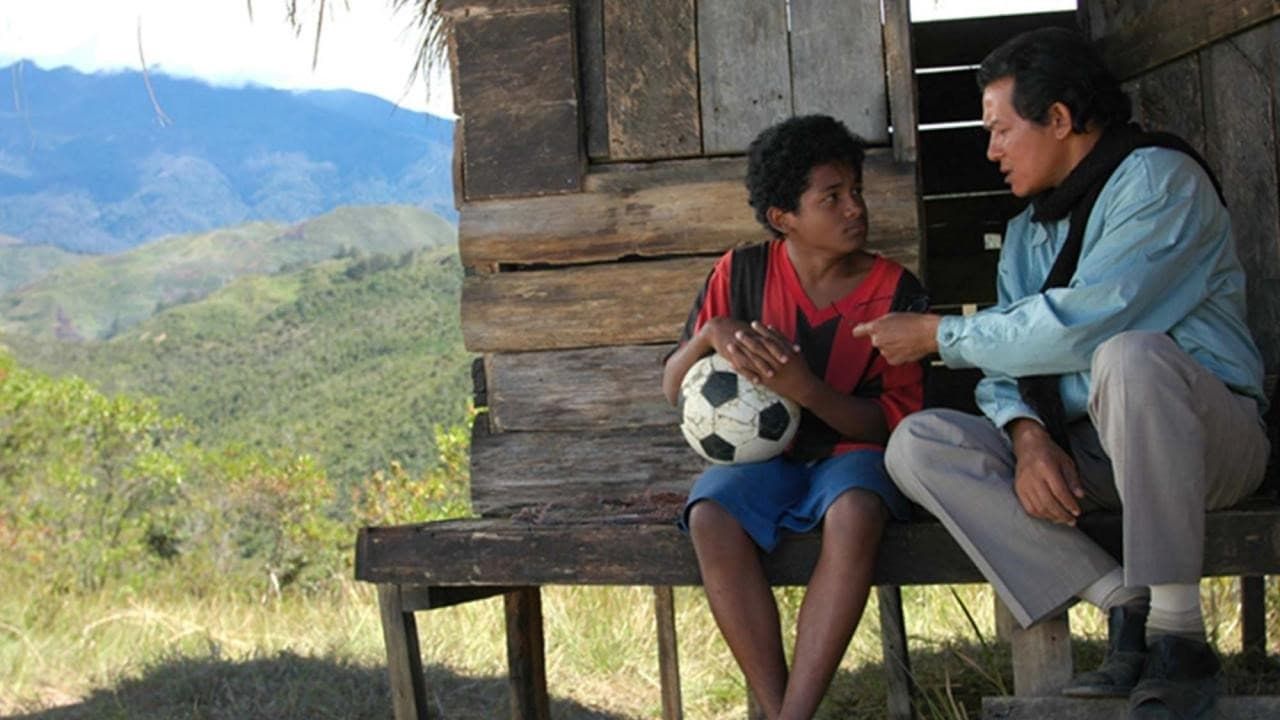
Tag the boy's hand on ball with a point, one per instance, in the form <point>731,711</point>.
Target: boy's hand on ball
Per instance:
<point>776,361</point>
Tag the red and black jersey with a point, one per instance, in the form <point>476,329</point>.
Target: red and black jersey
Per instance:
<point>758,282</point>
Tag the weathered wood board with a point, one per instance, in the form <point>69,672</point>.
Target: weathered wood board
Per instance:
<point>1135,40</point>
<point>1169,99</point>
<point>598,552</point>
<point>1241,140</point>
<point>902,80</point>
<point>663,209</point>
<point>651,79</point>
<point>517,94</point>
<point>744,71</point>
<point>582,306</point>
<point>594,388</point>
<point>837,64</point>
<point>462,9</point>
<point>579,470</point>
<point>595,121</point>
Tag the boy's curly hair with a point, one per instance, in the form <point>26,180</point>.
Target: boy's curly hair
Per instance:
<point>781,157</point>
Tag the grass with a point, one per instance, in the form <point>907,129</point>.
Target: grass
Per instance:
<point>176,653</point>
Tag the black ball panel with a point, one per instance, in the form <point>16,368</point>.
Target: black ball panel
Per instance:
<point>773,422</point>
<point>720,388</point>
<point>717,448</point>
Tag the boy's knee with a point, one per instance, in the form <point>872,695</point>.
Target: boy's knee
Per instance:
<point>708,519</point>
<point>856,512</point>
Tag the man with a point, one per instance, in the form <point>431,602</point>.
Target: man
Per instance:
<point>1119,373</point>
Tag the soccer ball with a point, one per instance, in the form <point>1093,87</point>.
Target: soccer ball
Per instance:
<point>729,419</point>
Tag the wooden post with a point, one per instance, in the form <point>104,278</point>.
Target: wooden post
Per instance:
<point>1253,618</point>
<point>1005,624</point>
<point>526,660</point>
<point>902,79</point>
<point>1042,657</point>
<point>668,652</point>
<point>404,659</point>
<point>897,664</point>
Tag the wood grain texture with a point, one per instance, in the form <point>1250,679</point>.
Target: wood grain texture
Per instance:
<point>651,79</point>
<point>1169,99</point>
<point>462,9</point>
<point>595,121</point>
<point>526,655</point>
<point>404,657</point>
<point>1242,147</point>
<point>744,71</point>
<point>1041,657</point>
<point>902,80</point>
<point>893,645</point>
<point>581,306</point>
<point>664,610</point>
<point>583,472</point>
<point>611,551</point>
<point>517,97</point>
<point>594,388</point>
<point>837,64</point>
<point>1133,41</point>
<point>662,209</point>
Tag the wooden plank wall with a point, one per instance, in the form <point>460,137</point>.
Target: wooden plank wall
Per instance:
<point>1210,71</point>
<point>585,249</point>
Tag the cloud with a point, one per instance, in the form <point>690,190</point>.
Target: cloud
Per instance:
<point>363,46</point>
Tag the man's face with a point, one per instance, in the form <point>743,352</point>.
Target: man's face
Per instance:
<point>1032,157</point>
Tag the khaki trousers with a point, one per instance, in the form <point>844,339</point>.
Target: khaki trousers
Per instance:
<point>1165,440</point>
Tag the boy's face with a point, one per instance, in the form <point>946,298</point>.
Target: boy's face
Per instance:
<point>831,214</point>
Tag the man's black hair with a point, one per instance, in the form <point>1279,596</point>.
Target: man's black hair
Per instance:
<point>781,157</point>
<point>1054,64</point>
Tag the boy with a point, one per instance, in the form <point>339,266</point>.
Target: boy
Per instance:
<point>782,312</point>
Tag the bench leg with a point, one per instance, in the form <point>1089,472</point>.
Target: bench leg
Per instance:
<point>1042,657</point>
<point>404,659</point>
<point>668,652</point>
<point>897,664</point>
<point>526,659</point>
<point>1253,617</point>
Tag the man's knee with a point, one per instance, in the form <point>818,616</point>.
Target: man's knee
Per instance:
<point>1130,362</point>
<point>1129,351</point>
<point>914,444</point>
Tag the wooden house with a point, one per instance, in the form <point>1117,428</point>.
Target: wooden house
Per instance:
<point>599,161</point>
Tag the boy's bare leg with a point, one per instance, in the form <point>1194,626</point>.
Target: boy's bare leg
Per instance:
<point>741,601</point>
<point>835,599</point>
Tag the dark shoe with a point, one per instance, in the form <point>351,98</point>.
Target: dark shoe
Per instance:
<point>1179,681</point>
<point>1126,654</point>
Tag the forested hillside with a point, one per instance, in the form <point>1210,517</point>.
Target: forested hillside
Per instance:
<point>97,296</point>
<point>353,360</point>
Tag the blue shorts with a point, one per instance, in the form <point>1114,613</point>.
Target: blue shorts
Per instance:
<point>782,494</point>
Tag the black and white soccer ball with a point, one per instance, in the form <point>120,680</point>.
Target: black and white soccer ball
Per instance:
<point>729,419</point>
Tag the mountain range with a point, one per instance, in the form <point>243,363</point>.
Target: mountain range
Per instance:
<point>90,163</point>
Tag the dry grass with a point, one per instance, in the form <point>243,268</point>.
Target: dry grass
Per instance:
<point>122,655</point>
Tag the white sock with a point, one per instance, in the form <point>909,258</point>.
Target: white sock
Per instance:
<point>1110,591</point>
<point>1175,610</point>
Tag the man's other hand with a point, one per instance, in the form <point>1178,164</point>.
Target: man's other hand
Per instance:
<point>1047,483</point>
<point>902,337</point>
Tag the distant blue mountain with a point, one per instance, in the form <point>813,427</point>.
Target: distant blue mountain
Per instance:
<point>87,163</point>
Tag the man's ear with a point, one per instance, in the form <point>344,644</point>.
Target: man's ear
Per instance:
<point>779,219</point>
<point>1060,120</point>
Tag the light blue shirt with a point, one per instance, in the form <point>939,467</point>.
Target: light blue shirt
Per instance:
<point>1158,255</point>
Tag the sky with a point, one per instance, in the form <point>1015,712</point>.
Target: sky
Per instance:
<point>364,46</point>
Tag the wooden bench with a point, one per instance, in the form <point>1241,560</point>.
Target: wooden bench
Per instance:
<point>432,565</point>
